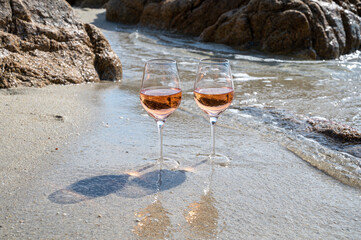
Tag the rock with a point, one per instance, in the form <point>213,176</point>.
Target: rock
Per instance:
<point>337,131</point>
<point>310,29</point>
<point>189,17</point>
<point>106,62</point>
<point>182,16</point>
<point>322,29</point>
<point>42,42</point>
<point>127,11</point>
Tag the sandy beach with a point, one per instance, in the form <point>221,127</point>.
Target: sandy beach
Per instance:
<point>74,166</point>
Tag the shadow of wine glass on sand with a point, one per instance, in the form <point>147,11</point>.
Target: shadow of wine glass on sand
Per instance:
<point>89,188</point>
<point>131,184</point>
<point>152,182</point>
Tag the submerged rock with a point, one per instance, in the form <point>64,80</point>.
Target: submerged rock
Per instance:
<point>334,135</point>
<point>322,29</point>
<point>337,131</point>
<point>42,42</point>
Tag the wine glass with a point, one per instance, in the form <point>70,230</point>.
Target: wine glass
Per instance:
<point>213,93</point>
<point>160,95</point>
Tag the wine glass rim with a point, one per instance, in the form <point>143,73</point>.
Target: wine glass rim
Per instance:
<point>214,60</point>
<point>162,61</point>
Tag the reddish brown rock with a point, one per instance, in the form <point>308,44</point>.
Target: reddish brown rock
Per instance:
<point>128,11</point>
<point>312,29</point>
<point>189,17</point>
<point>322,29</point>
<point>182,16</point>
<point>42,42</point>
<point>335,130</point>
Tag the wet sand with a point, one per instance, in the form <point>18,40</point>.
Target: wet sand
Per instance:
<point>36,123</point>
<point>74,165</point>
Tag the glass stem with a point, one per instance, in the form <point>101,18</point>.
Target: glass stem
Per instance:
<point>160,124</point>
<point>213,121</point>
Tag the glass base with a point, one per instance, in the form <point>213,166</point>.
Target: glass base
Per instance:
<point>168,163</point>
<point>165,163</point>
<point>217,159</point>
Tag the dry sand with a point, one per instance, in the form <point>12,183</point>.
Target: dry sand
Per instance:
<point>73,167</point>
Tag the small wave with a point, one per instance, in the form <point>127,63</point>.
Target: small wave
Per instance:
<point>341,166</point>
<point>335,156</point>
<point>352,57</point>
<point>245,77</point>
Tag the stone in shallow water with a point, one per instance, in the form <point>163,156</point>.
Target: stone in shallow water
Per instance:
<point>333,135</point>
<point>335,130</point>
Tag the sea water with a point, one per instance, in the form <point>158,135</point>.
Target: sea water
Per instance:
<point>269,89</point>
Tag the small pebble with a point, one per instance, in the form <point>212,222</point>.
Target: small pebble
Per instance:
<point>64,214</point>
<point>99,216</point>
<point>155,220</point>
